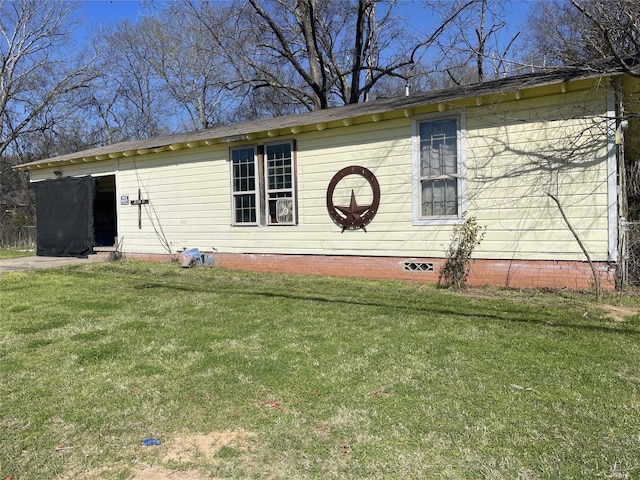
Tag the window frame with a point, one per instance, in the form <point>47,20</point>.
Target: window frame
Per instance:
<point>255,192</point>
<point>267,190</point>
<point>461,174</point>
<point>262,192</point>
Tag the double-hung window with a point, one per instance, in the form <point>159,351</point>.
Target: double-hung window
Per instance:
<point>263,178</point>
<point>278,160</point>
<point>439,183</point>
<point>245,185</point>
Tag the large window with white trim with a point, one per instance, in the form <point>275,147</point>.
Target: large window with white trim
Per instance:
<point>263,178</point>
<point>244,163</point>
<point>438,170</point>
<point>279,183</point>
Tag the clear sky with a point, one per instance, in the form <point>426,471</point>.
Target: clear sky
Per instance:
<point>105,12</point>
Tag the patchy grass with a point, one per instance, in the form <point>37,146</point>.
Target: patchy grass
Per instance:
<point>15,252</point>
<point>244,375</point>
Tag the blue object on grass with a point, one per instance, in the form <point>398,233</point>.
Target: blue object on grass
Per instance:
<point>147,442</point>
<point>191,258</point>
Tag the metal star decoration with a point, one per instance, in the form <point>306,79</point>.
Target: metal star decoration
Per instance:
<point>353,212</point>
<point>353,216</point>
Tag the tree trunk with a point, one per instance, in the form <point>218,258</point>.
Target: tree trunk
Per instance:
<point>596,277</point>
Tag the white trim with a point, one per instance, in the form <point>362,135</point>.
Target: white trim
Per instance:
<point>265,194</point>
<point>261,191</point>
<point>116,175</point>
<point>462,164</point>
<point>256,191</point>
<point>612,176</point>
<point>459,115</point>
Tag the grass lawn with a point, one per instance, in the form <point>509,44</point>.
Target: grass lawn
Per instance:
<point>245,375</point>
<point>15,252</point>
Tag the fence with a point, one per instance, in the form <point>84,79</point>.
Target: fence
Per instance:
<point>631,253</point>
<point>17,236</point>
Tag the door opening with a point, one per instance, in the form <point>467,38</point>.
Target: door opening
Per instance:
<point>104,212</point>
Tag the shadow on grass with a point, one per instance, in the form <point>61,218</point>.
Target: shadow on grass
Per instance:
<point>510,313</point>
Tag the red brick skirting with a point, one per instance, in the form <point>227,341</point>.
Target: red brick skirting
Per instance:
<point>510,273</point>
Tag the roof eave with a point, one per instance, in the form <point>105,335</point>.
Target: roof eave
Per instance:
<point>318,120</point>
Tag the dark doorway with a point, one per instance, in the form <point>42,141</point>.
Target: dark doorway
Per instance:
<point>104,212</point>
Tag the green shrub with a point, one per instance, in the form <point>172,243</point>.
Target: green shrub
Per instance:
<point>465,238</point>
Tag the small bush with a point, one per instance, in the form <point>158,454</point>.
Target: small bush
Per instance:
<point>465,238</point>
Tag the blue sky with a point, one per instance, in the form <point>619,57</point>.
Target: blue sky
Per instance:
<point>104,12</point>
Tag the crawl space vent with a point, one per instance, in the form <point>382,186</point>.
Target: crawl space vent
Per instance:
<point>424,267</point>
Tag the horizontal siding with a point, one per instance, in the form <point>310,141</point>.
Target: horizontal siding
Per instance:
<point>518,156</point>
<point>107,167</point>
<point>516,152</point>
<point>188,193</point>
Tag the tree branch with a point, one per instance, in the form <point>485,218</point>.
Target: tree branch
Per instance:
<point>596,277</point>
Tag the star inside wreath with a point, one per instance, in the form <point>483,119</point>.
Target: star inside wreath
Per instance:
<point>353,216</point>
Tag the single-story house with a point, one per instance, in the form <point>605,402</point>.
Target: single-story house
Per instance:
<point>372,189</point>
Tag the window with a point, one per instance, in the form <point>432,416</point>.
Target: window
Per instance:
<point>243,162</point>
<point>438,171</point>
<point>263,184</point>
<point>279,183</point>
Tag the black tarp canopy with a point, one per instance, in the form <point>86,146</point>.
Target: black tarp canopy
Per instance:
<point>64,210</point>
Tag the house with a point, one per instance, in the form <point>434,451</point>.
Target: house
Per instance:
<point>372,189</point>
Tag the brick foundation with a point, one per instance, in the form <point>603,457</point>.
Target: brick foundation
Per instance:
<point>509,273</point>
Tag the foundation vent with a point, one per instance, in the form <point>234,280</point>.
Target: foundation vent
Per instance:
<point>421,267</point>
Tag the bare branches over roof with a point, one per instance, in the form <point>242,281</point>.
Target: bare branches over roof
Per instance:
<point>248,130</point>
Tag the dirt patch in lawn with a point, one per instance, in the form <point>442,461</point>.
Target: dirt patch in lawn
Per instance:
<point>183,456</point>
<point>617,313</point>
<point>187,449</point>
<point>620,314</point>
<point>159,473</point>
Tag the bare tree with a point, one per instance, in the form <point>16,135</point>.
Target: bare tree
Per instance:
<point>582,31</point>
<point>35,74</point>
<point>193,71</point>
<point>477,44</point>
<point>128,99</point>
<point>594,33</point>
<point>41,75</point>
<point>313,54</point>
<point>162,74</point>
<point>585,251</point>
<point>614,29</point>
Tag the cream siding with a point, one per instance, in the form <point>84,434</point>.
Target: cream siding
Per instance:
<point>554,146</point>
<point>516,152</point>
<point>107,167</point>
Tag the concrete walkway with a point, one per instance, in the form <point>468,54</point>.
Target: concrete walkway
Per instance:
<point>31,263</point>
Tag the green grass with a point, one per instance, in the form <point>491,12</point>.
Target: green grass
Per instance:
<point>273,376</point>
<point>15,252</point>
